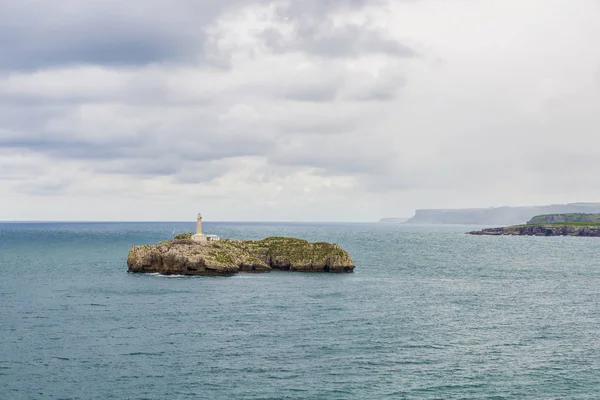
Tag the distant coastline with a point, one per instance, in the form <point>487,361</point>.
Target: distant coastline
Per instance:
<point>497,215</point>
<point>392,220</point>
<point>573,224</point>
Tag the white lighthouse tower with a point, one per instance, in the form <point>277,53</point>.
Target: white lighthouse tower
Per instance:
<point>199,224</point>
<point>201,237</point>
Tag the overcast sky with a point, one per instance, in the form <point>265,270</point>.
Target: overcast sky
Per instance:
<point>305,110</point>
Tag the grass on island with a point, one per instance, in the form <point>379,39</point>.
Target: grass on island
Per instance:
<point>566,218</point>
<point>550,224</point>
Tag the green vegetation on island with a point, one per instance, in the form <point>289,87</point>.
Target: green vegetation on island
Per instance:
<point>570,218</point>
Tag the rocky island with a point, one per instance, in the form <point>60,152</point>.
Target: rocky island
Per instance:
<point>200,254</point>
<point>184,256</point>
<point>574,224</point>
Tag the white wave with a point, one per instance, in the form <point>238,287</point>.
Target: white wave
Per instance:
<point>166,276</point>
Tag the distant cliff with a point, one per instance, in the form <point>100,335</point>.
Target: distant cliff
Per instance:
<point>497,215</point>
<point>183,256</point>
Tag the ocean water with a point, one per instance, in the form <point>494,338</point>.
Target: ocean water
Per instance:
<point>430,313</point>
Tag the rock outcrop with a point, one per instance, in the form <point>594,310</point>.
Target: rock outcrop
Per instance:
<point>183,256</point>
<point>543,230</point>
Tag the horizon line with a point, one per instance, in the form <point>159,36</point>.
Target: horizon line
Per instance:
<point>172,221</point>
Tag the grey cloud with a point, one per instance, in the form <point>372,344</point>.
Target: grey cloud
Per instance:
<point>48,34</point>
<point>140,166</point>
<point>320,7</point>
<point>45,34</point>
<point>25,119</point>
<point>379,94</point>
<point>144,149</point>
<point>185,136</point>
<point>326,40</point>
<point>343,85</point>
<point>174,139</point>
<point>351,152</point>
<point>201,172</point>
<point>385,87</point>
<point>134,49</point>
<point>186,148</point>
<point>165,139</point>
<point>316,125</point>
<point>317,34</point>
<point>43,188</point>
<point>322,109</point>
<point>320,92</point>
<point>68,148</point>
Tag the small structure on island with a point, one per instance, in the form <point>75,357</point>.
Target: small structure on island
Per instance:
<point>199,236</point>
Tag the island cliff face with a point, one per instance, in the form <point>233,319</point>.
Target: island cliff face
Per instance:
<point>183,256</point>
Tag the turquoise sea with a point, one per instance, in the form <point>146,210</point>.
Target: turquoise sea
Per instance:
<point>430,313</point>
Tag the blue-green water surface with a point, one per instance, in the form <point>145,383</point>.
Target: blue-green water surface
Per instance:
<point>430,313</point>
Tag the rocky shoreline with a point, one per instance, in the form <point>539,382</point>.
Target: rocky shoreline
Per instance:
<point>228,257</point>
<point>542,230</point>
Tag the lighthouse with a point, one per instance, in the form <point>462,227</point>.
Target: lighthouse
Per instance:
<point>201,237</point>
<point>199,224</point>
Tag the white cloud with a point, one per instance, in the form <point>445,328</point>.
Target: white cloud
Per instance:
<point>316,113</point>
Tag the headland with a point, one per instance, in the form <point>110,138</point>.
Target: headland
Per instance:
<point>497,215</point>
<point>573,224</point>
